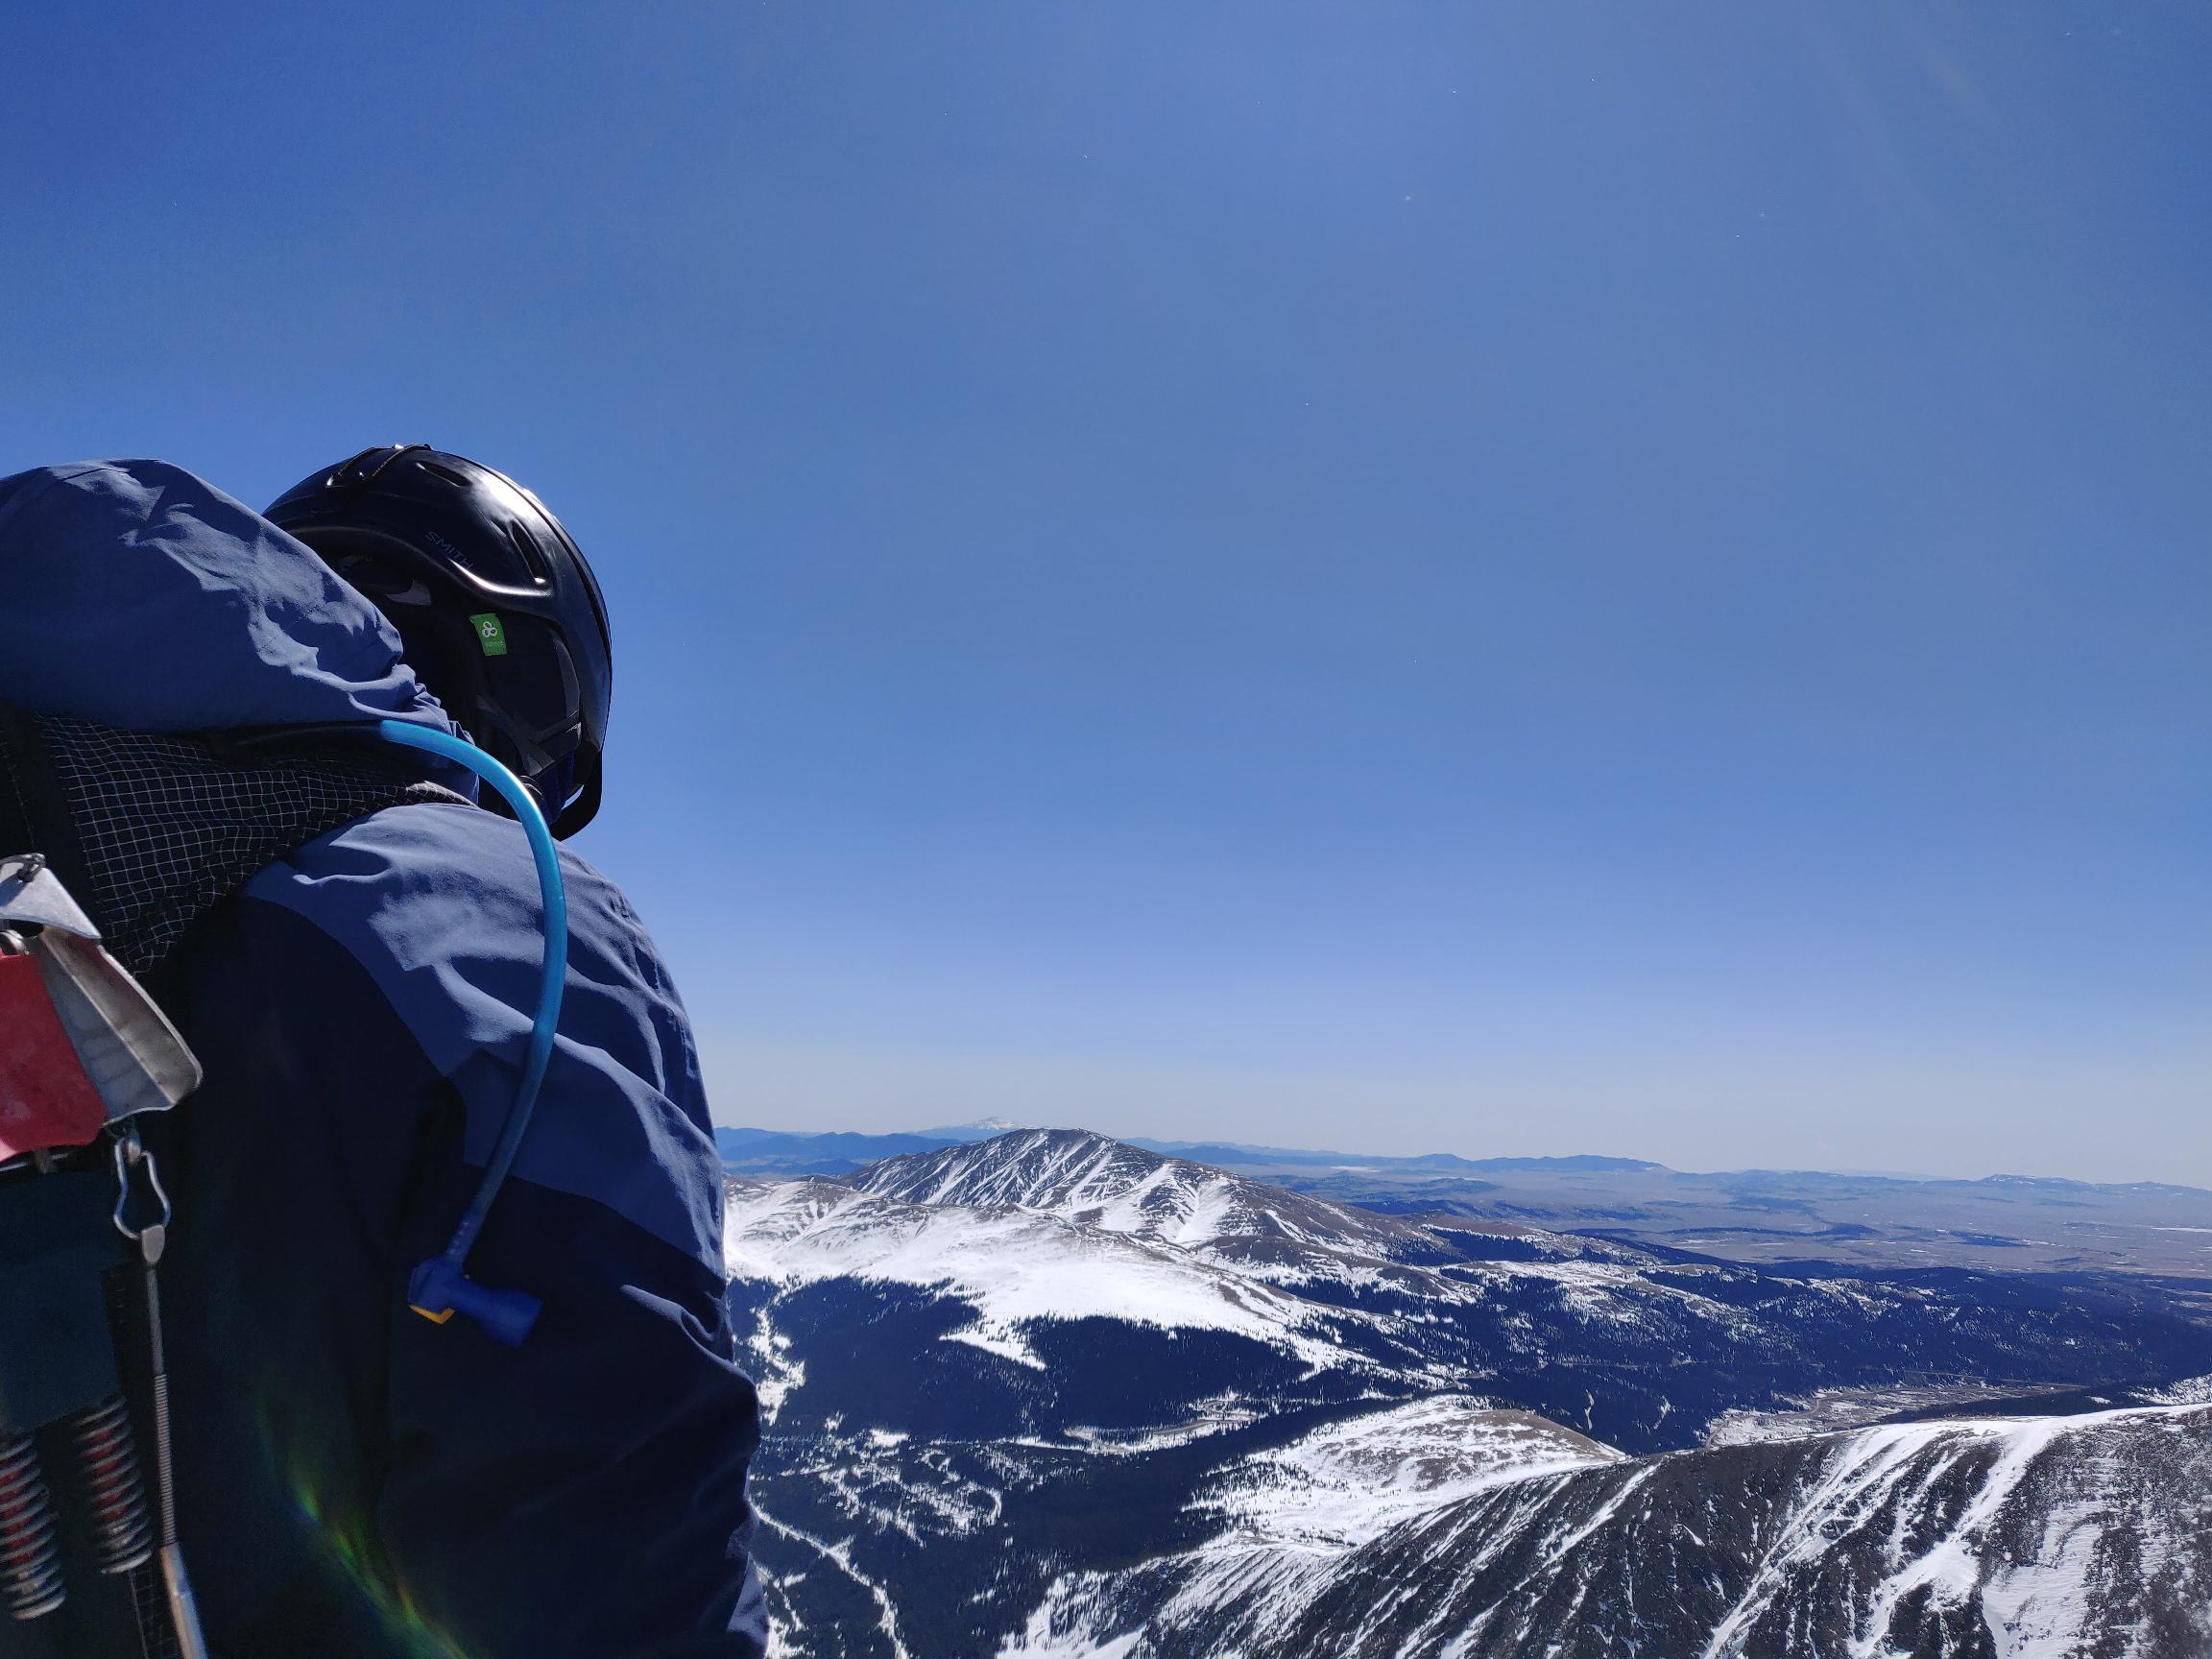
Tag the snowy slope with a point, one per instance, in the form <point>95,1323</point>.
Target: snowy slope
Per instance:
<point>1013,1269</point>
<point>1054,1226</point>
<point>1017,1273</point>
<point>2040,1538</point>
<point>1351,1481</point>
<point>1257,1230</point>
<point>1036,1229</point>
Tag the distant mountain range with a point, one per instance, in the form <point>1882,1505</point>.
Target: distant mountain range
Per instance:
<point>809,1152</point>
<point>2008,1222</point>
<point>1047,1393</point>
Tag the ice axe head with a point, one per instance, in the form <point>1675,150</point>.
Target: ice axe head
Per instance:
<point>80,1042</point>
<point>46,1101</point>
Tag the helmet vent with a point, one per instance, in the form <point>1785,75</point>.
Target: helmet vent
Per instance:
<point>532,559</point>
<point>445,472</point>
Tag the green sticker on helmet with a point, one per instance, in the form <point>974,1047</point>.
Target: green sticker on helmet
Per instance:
<point>491,633</point>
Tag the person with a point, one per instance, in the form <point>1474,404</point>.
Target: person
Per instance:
<point>352,942</point>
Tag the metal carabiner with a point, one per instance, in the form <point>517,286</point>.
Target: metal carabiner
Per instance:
<point>131,1154</point>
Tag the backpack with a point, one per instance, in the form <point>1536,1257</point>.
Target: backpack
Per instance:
<point>112,845</point>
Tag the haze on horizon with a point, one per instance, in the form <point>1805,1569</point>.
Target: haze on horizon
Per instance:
<point>1195,1149</point>
<point>1500,580</point>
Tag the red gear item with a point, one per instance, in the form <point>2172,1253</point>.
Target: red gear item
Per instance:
<point>46,1101</point>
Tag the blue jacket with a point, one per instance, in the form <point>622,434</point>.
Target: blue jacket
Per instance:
<point>353,1479</point>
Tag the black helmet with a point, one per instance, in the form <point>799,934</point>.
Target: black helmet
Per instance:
<point>494,606</point>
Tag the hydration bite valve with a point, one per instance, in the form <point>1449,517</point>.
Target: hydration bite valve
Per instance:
<point>438,1289</point>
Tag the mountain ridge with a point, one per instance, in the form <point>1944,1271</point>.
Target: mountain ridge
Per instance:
<point>1047,1393</point>
<point>1760,1218</point>
<point>734,1139</point>
<point>1992,1536</point>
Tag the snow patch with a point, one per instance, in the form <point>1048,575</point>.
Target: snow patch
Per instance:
<point>1015,1268</point>
<point>1351,1481</point>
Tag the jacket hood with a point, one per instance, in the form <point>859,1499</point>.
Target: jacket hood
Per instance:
<point>140,596</point>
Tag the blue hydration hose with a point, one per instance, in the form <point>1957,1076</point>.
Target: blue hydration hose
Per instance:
<point>438,1288</point>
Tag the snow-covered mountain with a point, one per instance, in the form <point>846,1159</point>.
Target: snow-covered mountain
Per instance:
<point>1025,1390</point>
<point>2033,1538</point>
<point>1041,1242</point>
<point>1761,1217</point>
<point>1116,1188</point>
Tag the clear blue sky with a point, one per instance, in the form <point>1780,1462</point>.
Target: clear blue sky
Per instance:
<point>1499,577</point>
